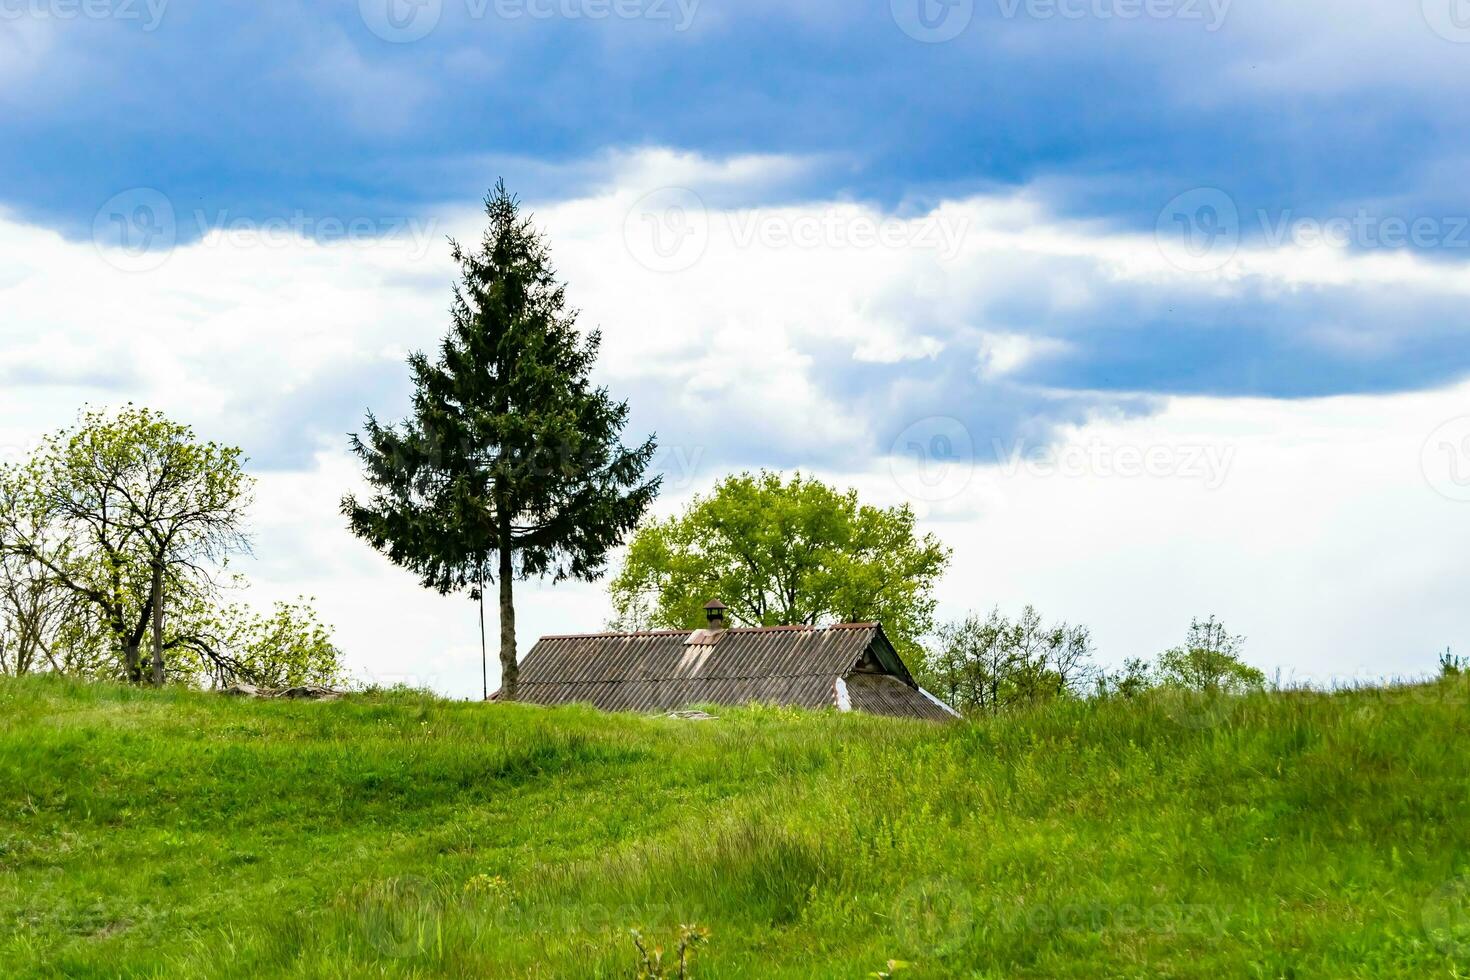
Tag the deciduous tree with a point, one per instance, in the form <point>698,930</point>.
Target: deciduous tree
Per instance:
<point>782,552</point>
<point>990,665</point>
<point>1209,662</point>
<point>131,514</point>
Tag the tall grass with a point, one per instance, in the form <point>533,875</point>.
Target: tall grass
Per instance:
<point>149,834</point>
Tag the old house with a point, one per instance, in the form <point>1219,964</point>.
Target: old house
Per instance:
<point>850,667</point>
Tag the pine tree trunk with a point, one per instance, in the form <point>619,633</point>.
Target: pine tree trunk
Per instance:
<point>509,671</point>
<point>158,624</point>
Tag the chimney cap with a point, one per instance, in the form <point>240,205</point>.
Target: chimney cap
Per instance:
<point>714,614</point>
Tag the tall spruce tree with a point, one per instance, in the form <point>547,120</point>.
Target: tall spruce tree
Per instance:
<point>511,464</point>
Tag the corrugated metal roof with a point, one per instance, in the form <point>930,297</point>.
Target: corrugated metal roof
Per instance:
<point>881,694</point>
<point>663,670</point>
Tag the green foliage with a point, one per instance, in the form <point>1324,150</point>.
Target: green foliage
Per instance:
<point>124,516</point>
<point>45,626</point>
<point>651,965</point>
<point>782,552</point>
<point>1134,679</point>
<point>1451,665</point>
<point>290,647</point>
<point>511,463</point>
<point>1209,662</point>
<point>994,664</point>
<point>129,514</point>
<point>171,833</point>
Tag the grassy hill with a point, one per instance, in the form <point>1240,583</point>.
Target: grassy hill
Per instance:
<point>186,834</point>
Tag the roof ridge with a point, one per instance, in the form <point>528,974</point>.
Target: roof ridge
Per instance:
<point>608,634</point>
<point>640,634</point>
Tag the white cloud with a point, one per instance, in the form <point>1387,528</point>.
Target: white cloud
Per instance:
<point>1323,540</point>
<point>25,43</point>
<point>1003,353</point>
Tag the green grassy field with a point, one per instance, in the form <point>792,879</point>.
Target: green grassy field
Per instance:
<point>186,834</point>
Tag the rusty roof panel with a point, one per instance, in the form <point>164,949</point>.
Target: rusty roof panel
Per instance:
<point>882,694</point>
<point>662,671</point>
<point>658,671</point>
<point>735,653</point>
<point>672,694</point>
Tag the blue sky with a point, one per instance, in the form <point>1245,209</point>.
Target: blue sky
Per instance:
<point>249,111</point>
<point>1176,222</point>
<point>265,109</point>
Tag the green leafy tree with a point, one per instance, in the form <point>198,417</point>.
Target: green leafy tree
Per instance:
<point>1132,680</point>
<point>34,609</point>
<point>1209,662</point>
<point>288,648</point>
<point>131,514</point>
<point>993,664</point>
<point>510,465</point>
<point>782,552</point>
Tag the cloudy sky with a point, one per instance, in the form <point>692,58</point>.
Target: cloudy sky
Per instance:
<point>1151,308</point>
